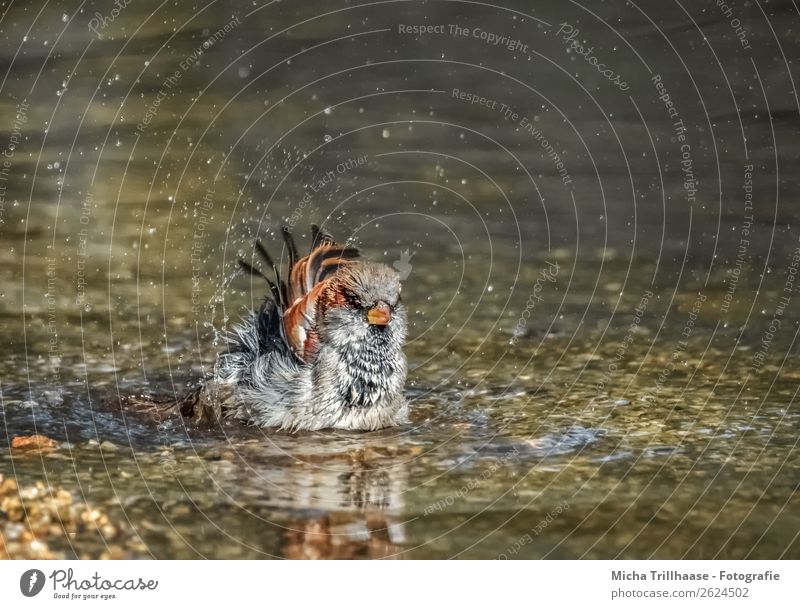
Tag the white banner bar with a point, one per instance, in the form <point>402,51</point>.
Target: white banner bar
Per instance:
<point>399,584</point>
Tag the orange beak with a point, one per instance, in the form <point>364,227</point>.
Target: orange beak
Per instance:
<point>379,315</point>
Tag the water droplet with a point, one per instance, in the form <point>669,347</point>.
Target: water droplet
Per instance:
<point>385,133</point>
<point>328,110</point>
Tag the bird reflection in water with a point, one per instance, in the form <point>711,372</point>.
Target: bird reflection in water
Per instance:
<point>369,492</point>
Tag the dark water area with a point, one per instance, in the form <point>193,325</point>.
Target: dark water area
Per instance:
<point>595,209</point>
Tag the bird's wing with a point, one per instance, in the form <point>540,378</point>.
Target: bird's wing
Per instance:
<point>296,298</point>
<point>300,324</point>
<point>308,278</point>
<point>322,261</point>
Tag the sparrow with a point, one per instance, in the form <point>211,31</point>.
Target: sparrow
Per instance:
<point>324,350</point>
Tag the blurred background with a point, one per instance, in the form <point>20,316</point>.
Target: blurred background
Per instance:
<point>594,209</point>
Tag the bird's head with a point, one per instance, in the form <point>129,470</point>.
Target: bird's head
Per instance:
<point>362,306</point>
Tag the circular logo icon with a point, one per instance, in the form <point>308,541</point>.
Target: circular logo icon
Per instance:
<point>31,582</point>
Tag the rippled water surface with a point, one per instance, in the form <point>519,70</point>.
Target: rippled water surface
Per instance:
<point>602,347</point>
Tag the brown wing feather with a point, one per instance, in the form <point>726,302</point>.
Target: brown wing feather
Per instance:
<point>308,278</point>
<point>321,262</point>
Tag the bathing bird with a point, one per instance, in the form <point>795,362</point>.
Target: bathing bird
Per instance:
<point>323,351</point>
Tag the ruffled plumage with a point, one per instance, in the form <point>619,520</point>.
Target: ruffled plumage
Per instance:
<point>323,351</point>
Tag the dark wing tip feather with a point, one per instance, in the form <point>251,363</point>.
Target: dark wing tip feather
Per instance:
<point>315,236</point>
<point>282,297</point>
<point>246,266</point>
<point>345,253</point>
<point>267,258</point>
<point>276,293</point>
<point>290,245</point>
<point>320,237</point>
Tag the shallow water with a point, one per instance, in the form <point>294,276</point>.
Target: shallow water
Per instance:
<point>596,365</point>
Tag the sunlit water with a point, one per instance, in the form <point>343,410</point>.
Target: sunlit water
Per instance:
<point>596,369</point>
